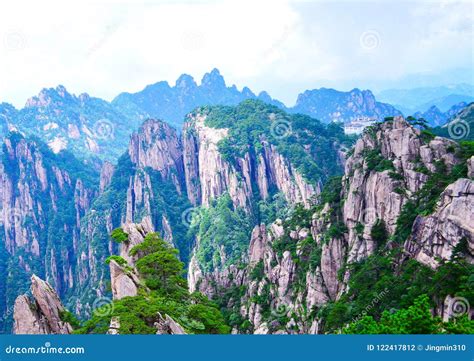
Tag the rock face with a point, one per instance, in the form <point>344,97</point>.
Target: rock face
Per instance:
<point>390,164</point>
<point>42,203</point>
<point>208,175</point>
<point>156,145</point>
<point>377,194</point>
<point>42,314</point>
<point>435,236</point>
<point>157,155</point>
<point>167,326</point>
<point>106,173</point>
<point>124,283</point>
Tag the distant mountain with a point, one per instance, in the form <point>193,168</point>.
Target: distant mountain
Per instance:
<point>332,105</point>
<point>435,117</point>
<point>86,125</point>
<point>172,103</point>
<point>420,99</point>
<point>450,101</point>
<point>94,128</point>
<point>460,127</point>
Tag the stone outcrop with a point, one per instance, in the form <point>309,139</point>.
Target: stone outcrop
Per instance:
<point>136,234</point>
<point>42,205</point>
<point>208,175</point>
<point>434,237</point>
<point>373,194</point>
<point>167,326</point>
<point>106,173</point>
<point>124,283</point>
<point>156,145</point>
<point>370,194</point>
<point>42,313</point>
<point>114,327</point>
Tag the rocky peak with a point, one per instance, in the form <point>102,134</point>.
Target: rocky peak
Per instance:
<point>185,81</point>
<point>214,79</point>
<point>434,237</point>
<point>156,145</point>
<point>49,96</point>
<point>332,105</point>
<point>41,314</point>
<point>389,164</point>
<point>205,163</point>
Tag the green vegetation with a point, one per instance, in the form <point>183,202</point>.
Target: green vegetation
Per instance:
<point>221,228</point>
<point>119,236</point>
<point>374,161</point>
<point>380,283</point>
<point>424,201</point>
<point>164,291</point>
<point>306,142</point>
<point>416,319</point>
<point>70,318</point>
<point>120,260</point>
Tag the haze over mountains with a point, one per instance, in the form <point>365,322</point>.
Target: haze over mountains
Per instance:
<point>422,98</point>
<point>94,128</point>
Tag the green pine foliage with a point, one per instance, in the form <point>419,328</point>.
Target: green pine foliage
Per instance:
<point>164,291</point>
<point>416,319</point>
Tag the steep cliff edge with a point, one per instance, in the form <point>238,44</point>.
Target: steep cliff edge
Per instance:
<point>43,198</point>
<point>249,164</point>
<point>41,314</point>
<point>402,213</point>
<point>146,187</point>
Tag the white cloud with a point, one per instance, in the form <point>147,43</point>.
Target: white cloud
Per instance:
<point>105,47</point>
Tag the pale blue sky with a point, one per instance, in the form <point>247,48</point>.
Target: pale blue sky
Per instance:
<point>105,47</point>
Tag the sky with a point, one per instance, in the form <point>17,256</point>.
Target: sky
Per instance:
<point>105,47</point>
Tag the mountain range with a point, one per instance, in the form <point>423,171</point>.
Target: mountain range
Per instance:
<point>281,223</point>
<point>414,100</point>
<point>96,130</point>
